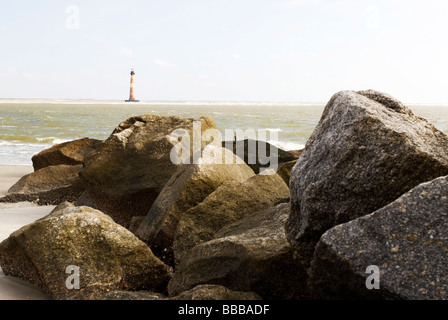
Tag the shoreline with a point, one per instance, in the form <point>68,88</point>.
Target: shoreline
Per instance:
<point>13,216</point>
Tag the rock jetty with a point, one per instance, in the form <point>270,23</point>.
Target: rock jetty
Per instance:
<point>360,213</point>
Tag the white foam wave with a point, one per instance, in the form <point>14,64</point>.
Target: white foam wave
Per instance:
<point>7,143</point>
<point>45,141</point>
<point>287,145</point>
<point>274,129</point>
<point>51,140</point>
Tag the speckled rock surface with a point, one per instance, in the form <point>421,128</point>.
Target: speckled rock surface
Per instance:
<point>367,150</point>
<point>126,173</point>
<point>133,295</point>
<point>406,239</point>
<point>230,202</point>
<point>202,292</point>
<point>215,292</point>
<point>188,187</point>
<point>109,257</point>
<point>251,254</point>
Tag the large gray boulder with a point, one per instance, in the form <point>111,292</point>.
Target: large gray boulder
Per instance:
<point>109,257</point>
<point>69,153</point>
<point>230,202</point>
<point>126,173</point>
<point>367,150</point>
<point>406,240</point>
<point>50,185</point>
<point>188,187</point>
<point>252,254</point>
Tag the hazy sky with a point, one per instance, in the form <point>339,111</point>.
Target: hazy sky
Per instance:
<point>231,50</point>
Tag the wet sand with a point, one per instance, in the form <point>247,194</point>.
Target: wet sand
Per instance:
<point>13,216</point>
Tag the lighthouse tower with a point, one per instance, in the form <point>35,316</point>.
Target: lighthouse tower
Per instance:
<point>132,93</point>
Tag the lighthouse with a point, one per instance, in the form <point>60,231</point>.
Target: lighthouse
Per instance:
<point>132,91</point>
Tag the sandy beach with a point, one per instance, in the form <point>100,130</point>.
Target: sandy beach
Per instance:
<point>12,217</point>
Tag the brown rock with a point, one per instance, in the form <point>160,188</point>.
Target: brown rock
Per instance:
<point>202,292</point>
<point>109,257</point>
<point>136,221</point>
<point>188,187</point>
<point>126,173</point>
<point>252,149</point>
<point>229,203</point>
<point>215,292</point>
<point>285,171</point>
<point>252,254</point>
<point>48,186</point>
<point>70,153</point>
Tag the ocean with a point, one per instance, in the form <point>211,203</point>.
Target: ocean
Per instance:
<point>30,126</point>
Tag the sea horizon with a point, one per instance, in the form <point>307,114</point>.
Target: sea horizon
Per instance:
<point>156,102</point>
<point>189,102</point>
<point>29,126</point>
